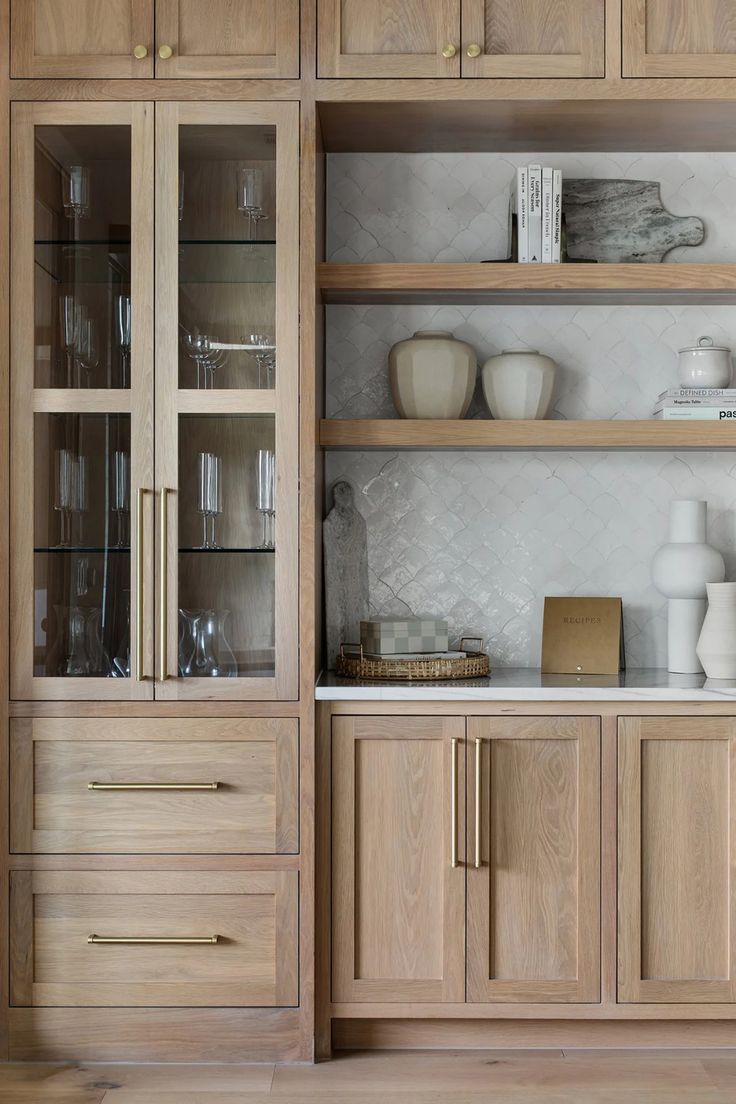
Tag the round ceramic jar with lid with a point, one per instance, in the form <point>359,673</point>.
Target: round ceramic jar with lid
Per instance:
<point>705,365</point>
<point>519,384</point>
<point>432,375</point>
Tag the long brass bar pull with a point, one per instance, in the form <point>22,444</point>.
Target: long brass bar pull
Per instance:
<point>478,795</point>
<point>453,803</point>
<point>139,590</point>
<point>164,586</point>
<point>165,786</point>
<point>154,940</point>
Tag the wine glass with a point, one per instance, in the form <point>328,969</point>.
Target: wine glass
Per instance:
<point>123,327</point>
<point>63,468</point>
<point>265,358</point>
<point>249,195</point>
<point>265,473</point>
<point>121,494</point>
<point>75,192</point>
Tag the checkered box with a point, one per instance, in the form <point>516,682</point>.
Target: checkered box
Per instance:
<point>388,637</point>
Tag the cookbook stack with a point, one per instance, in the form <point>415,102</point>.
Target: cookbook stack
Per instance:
<point>703,404</point>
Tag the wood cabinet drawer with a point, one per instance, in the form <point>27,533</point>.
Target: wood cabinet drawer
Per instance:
<point>247,920</point>
<point>252,763</point>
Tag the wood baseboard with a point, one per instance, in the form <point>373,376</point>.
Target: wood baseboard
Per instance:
<point>525,1034</point>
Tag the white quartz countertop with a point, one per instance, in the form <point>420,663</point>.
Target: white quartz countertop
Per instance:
<point>529,684</point>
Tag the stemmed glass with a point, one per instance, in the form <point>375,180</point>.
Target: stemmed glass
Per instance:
<point>249,193</point>
<point>75,185</point>
<point>209,495</point>
<point>265,358</point>
<point>265,486</point>
<point>80,492</point>
<point>121,494</point>
<point>63,481</point>
<point>123,326</point>
<point>69,323</point>
<point>199,347</point>
<point>88,349</point>
<point>181,195</point>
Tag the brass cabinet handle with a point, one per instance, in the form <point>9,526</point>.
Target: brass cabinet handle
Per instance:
<point>449,51</point>
<point>153,940</point>
<point>164,586</point>
<point>140,561</point>
<point>474,50</point>
<point>140,52</point>
<point>478,794</point>
<point>453,803</point>
<point>165,52</point>
<point>170,786</point>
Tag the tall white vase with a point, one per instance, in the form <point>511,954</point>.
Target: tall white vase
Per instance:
<point>681,570</point>
<point>717,644</point>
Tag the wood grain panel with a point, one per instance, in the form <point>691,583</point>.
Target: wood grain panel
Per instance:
<point>679,38</point>
<point>534,880</point>
<point>534,38</point>
<point>397,902</point>
<point>388,38</point>
<point>254,810</point>
<point>81,38</point>
<point>253,913</point>
<point>676,827</point>
<point>228,38</point>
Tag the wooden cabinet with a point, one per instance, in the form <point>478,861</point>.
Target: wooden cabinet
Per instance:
<point>159,938</point>
<point>478,38</point>
<point>677,782</point>
<point>165,38</point>
<point>541,38</point>
<point>398,891</point>
<point>146,786</point>
<point>533,859</point>
<point>679,38</point>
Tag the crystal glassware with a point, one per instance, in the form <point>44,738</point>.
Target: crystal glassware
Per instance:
<point>75,188</point>
<point>88,350</point>
<point>265,488</point>
<point>77,662</point>
<point>63,480</point>
<point>198,346</point>
<point>123,326</point>
<point>209,495</point>
<point>121,663</point>
<point>121,495</point>
<point>207,653</point>
<point>80,493</point>
<point>249,195</point>
<point>69,322</point>
<point>265,358</point>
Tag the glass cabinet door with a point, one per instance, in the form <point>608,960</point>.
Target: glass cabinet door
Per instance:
<point>81,384</point>
<point>226,400</point>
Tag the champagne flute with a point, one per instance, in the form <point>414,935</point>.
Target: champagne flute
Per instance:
<point>63,467</point>
<point>249,194</point>
<point>80,493</point>
<point>265,472</point>
<point>123,328</point>
<point>89,349</point>
<point>214,481</point>
<point>209,495</point>
<point>69,325</point>
<point>121,494</point>
<point>75,192</point>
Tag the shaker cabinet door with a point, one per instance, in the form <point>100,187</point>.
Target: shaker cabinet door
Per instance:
<point>81,38</point>
<point>533,859</point>
<point>389,38</point>
<point>676,852</point>
<point>540,38</point>
<point>679,38</point>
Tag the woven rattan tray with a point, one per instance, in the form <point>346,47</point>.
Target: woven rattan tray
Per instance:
<point>354,664</point>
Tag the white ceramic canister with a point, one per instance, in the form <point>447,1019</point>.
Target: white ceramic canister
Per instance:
<point>519,384</point>
<point>705,365</point>
<point>717,644</point>
<point>432,375</point>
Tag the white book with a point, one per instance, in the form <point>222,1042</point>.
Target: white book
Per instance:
<point>698,393</point>
<point>535,214</point>
<point>557,216</point>
<point>522,214</point>
<point>547,216</point>
<point>697,414</point>
<point>689,403</point>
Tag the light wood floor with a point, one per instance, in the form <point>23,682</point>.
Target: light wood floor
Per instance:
<point>404,1077</point>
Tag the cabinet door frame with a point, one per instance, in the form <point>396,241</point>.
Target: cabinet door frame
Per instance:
<point>632,988</point>
<point>171,401</point>
<point>284,64</point>
<point>332,62</point>
<point>450,988</point>
<point>590,62</point>
<point>585,731</point>
<point>26,400</point>
<point>638,62</point>
<point>25,63</point>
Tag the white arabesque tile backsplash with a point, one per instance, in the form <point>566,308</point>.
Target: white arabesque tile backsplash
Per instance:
<point>482,537</point>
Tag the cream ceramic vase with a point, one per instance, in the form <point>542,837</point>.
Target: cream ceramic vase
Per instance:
<point>519,384</point>
<point>432,375</point>
<point>717,643</point>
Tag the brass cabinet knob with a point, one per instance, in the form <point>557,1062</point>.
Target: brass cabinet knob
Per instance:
<point>449,51</point>
<point>474,50</point>
<point>140,52</point>
<point>165,52</point>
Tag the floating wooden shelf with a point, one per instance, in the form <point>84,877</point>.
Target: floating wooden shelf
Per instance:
<point>397,433</point>
<point>479,283</point>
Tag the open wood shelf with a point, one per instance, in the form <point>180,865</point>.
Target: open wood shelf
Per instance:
<point>545,283</point>
<point>360,434</point>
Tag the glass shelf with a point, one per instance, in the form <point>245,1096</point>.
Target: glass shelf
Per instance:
<point>81,243</point>
<point>84,550</point>
<point>228,241</point>
<point>92,262</point>
<point>227,262</point>
<point>228,551</point>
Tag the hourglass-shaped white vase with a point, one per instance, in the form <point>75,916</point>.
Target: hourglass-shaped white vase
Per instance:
<point>681,571</point>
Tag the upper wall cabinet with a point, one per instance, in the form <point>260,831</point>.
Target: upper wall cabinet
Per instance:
<point>679,38</point>
<point>162,38</point>
<point>480,38</point>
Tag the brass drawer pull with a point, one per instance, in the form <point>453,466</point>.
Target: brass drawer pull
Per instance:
<point>164,586</point>
<point>154,940</point>
<point>140,566</point>
<point>478,797</point>
<point>453,803</point>
<point>153,785</point>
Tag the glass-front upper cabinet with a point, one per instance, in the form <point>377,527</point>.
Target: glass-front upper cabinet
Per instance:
<point>154,546</point>
<point>82,400</point>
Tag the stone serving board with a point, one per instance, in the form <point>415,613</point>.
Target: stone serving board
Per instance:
<point>623,221</point>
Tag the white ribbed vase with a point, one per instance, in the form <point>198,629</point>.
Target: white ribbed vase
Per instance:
<point>717,643</point>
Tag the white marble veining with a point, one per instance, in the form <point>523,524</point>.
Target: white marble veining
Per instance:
<point>529,684</point>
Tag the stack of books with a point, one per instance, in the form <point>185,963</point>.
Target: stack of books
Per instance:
<point>704,404</point>
<point>538,202</point>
